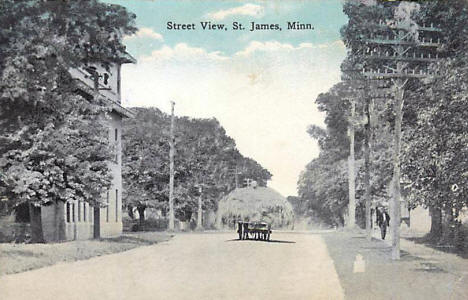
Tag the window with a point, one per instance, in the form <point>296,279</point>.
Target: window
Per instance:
<point>84,211</point>
<point>116,205</point>
<point>116,138</point>
<point>79,211</point>
<point>73,212</point>
<point>68,212</point>
<point>106,78</point>
<point>107,208</point>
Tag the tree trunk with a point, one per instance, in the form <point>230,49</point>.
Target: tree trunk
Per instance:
<point>130,211</point>
<point>97,222</point>
<point>37,235</point>
<point>141,211</point>
<point>436,223</point>
<point>447,226</point>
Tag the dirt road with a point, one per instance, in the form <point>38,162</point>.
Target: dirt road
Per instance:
<point>191,266</point>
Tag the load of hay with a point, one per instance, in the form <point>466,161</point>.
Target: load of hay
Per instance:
<point>255,204</point>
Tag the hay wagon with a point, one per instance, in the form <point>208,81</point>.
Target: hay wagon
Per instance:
<point>254,230</point>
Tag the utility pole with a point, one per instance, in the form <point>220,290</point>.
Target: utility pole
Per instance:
<point>237,177</point>
<point>397,49</point>
<point>354,122</point>
<point>367,166</point>
<point>351,172</point>
<point>171,171</point>
<point>359,91</point>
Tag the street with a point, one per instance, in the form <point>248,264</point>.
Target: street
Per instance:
<point>192,266</point>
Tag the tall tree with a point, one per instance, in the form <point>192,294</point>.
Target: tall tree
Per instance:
<point>205,157</point>
<point>53,144</point>
<point>435,144</point>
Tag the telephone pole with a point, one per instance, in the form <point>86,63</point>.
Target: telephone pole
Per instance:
<point>171,171</point>
<point>367,167</point>
<point>236,176</point>
<point>400,53</point>
<point>351,172</point>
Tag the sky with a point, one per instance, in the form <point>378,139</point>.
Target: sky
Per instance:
<point>261,85</point>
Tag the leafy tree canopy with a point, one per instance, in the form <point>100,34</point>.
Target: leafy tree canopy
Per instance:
<point>53,141</point>
<point>205,160</point>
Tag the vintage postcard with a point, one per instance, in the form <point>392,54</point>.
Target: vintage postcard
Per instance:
<point>301,149</point>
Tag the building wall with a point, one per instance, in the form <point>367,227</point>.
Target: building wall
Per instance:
<point>79,220</point>
<point>111,216</point>
<point>78,217</point>
<point>420,220</point>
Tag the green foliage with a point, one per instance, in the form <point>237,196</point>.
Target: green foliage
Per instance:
<point>434,151</point>
<point>205,158</point>
<point>53,141</point>
<point>323,185</point>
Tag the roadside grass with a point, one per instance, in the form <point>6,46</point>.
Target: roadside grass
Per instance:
<point>16,258</point>
<point>421,273</point>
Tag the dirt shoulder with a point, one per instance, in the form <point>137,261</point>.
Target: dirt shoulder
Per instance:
<point>420,274</point>
<point>16,258</point>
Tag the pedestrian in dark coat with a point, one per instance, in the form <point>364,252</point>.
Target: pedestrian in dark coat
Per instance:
<point>383,220</point>
<point>246,230</point>
<point>239,229</point>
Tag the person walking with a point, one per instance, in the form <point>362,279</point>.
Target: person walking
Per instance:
<point>383,220</point>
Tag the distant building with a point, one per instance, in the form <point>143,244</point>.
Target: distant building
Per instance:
<point>82,221</point>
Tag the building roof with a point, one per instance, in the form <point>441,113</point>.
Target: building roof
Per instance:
<point>115,106</point>
<point>127,59</point>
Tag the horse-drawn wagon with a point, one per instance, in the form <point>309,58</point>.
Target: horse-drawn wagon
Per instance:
<point>254,230</point>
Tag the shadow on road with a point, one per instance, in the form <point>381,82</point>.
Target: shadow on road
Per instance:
<point>270,241</point>
<point>428,241</point>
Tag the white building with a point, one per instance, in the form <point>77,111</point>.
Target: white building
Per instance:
<point>82,221</point>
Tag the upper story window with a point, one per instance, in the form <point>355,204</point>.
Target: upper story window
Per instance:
<point>116,138</point>
<point>103,77</point>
